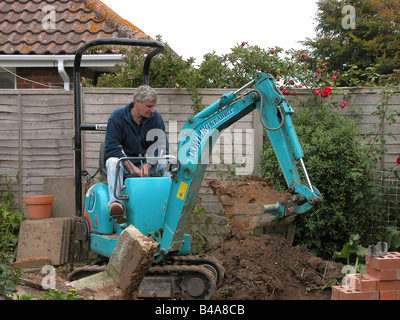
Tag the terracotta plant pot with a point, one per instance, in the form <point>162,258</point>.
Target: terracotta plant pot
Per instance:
<point>38,207</point>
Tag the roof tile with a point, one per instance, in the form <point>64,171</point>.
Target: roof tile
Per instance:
<point>23,25</point>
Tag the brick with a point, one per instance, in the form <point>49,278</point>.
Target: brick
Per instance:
<point>367,283</point>
<point>388,285</point>
<point>385,274</point>
<point>335,292</point>
<point>343,293</point>
<point>390,295</point>
<point>391,260</point>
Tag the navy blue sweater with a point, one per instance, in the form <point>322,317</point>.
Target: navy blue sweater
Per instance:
<point>135,139</point>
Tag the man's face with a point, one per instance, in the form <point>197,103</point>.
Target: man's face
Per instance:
<point>145,108</point>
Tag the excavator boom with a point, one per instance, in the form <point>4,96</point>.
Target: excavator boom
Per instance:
<point>200,133</point>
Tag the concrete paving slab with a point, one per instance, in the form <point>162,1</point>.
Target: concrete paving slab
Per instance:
<point>45,238</point>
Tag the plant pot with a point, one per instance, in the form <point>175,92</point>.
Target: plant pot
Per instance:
<point>38,207</point>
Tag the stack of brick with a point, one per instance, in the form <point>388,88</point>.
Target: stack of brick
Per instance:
<point>381,280</point>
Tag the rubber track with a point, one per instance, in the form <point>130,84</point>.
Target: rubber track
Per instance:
<point>200,260</point>
<point>180,271</point>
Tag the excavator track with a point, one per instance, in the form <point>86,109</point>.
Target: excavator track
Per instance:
<point>209,262</point>
<point>189,282</point>
<point>180,277</point>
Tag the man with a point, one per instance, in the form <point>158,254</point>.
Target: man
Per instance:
<point>140,130</point>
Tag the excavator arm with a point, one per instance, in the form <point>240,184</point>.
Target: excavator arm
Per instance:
<point>199,135</point>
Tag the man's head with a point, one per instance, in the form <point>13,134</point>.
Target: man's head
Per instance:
<point>145,99</point>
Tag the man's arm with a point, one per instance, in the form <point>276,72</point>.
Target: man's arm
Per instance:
<point>113,139</point>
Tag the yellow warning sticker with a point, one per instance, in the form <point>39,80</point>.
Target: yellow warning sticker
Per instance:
<point>182,190</point>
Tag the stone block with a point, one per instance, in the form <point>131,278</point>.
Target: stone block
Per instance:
<point>132,257</point>
<point>63,190</point>
<point>48,238</point>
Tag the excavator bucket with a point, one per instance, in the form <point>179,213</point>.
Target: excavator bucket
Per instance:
<point>252,203</point>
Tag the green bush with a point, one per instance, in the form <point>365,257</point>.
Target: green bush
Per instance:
<point>340,169</point>
<point>9,227</point>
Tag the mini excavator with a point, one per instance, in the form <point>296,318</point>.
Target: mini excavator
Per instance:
<point>164,215</point>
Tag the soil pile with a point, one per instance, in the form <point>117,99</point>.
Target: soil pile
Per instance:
<point>268,268</point>
<point>243,200</point>
<point>265,267</point>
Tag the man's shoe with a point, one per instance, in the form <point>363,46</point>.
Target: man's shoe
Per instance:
<point>117,212</point>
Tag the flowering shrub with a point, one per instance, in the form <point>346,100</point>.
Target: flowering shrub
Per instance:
<point>339,167</point>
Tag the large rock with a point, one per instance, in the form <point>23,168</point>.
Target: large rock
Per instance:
<point>132,257</point>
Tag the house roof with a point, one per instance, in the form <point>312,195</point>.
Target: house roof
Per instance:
<point>58,26</point>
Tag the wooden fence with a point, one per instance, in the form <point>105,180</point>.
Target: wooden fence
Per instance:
<point>36,131</point>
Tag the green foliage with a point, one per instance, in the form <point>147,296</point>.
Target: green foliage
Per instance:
<point>372,43</point>
<point>53,294</point>
<point>9,227</point>
<point>339,167</point>
<point>392,237</point>
<point>200,227</point>
<point>232,70</point>
<point>352,249</point>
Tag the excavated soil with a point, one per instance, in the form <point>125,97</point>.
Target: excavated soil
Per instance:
<point>265,267</point>
<point>268,268</point>
<point>243,200</point>
<point>248,190</point>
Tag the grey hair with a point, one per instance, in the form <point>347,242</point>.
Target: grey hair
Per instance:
<point>145,93</point>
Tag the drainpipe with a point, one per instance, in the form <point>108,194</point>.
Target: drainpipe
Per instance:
<point>63,74</point>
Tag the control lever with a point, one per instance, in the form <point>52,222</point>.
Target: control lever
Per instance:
<point>123,152</point>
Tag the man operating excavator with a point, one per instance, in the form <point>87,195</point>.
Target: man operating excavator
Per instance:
<point>136,130</point>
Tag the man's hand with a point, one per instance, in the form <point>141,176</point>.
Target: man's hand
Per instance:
<point>132,168</point>
<point>145,170</point>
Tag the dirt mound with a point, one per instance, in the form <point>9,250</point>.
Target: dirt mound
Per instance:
<point>267,268</point>
<point>249,189</point>
<point>243,200</point>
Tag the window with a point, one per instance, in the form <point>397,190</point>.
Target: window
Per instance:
<point>7,79</point>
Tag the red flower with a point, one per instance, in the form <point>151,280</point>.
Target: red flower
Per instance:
<point>334,78</point>
<point>317,92</point>
<point>294,93</point>
<point>398,160</point>
<point>286,92</point>
<point>272,52</point>
<point>327,90</point>
<point>324,95</point>
<point>344,102</point>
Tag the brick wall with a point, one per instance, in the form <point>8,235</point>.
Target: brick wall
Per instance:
<point>381,280</point>
<point>47,76</point>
